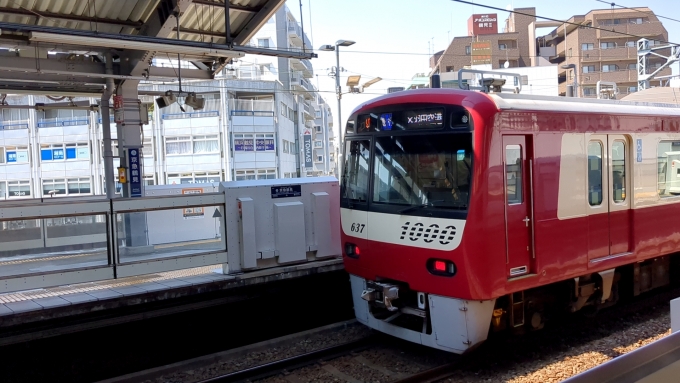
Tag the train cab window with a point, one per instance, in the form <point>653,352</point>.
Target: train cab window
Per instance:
<point>619,171</point>
<point>594,173</point>
<point>513,173</point>
<point>356,170</point>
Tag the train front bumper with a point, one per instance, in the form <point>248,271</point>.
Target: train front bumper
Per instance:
<point>457,325</point>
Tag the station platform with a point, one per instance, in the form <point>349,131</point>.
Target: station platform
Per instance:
<point>28,315</point>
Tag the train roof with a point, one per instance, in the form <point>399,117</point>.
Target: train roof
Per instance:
<point>523,102</point>
<point>510,101</point>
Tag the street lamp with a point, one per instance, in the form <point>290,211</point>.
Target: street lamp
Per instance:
<point>338,90</point>
<point>574,91</point>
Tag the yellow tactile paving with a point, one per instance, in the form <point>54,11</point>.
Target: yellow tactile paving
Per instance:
<point>100,285</point>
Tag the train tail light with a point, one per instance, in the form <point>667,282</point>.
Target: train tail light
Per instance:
<point>441,267</point>
<point>352,250</point>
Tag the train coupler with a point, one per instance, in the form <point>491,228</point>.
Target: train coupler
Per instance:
<point>381,294</point>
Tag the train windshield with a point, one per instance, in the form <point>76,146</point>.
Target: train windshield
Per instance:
<point>429,171</point>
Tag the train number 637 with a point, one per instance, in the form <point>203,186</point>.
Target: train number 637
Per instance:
<point>358,227</point>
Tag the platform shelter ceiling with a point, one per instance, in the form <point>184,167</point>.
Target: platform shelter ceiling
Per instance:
<point>61,45</point>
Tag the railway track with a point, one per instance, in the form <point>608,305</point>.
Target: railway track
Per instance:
<point>566,347</point>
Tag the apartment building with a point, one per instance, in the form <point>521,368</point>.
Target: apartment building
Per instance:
<point>605,54</point>
<point>257,115</point>
<point>580,51</point>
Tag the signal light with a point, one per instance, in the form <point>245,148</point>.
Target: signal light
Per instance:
<point>352,250</point>
<point>441,267</point>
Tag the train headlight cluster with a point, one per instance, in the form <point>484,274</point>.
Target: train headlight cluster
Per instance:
<point>441,267</point>
<point>352,250</point>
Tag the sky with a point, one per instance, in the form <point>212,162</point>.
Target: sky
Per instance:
<point>395,38</point>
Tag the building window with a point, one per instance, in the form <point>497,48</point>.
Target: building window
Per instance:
<point>632,66</point>
<point>18,189</point>
<point>570,55</point>
<point>262,142</point>
<point>206,144</point>
<point>284,108</point>
<point>318,144</point>
<point>266,174</point>
<point>54,187</point>
<point>467,50</point>
<point>60,152</point>
<point>610,68</point>
<point>178,145</point>
<point>70,186</point>
<point>632,89</point>
<point>16,154</point>
<point>193,178</point>
<point>319,158</point>
<point>588,68</point>
<point>317,129</point>
<point>147,147</point>
<point>502,47</point>
<point>243,175</point>
<point>587,47</point>
<point>608,45</point>
<point>637,20</point>
<point>589,91</point>
<point>450,68</point>
<point>317,114</point>
<point>630,44</point>
<point>263,43</point>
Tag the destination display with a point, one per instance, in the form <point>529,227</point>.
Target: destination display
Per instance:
<point>424,118</point>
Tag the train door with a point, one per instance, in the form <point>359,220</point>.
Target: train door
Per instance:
<point>609,214</point>
<point>517,165</point>
<point>620,217</point>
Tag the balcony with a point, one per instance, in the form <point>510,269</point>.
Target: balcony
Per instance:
<point>297,37</point>
<point>14,124</point>
<point>611,54</point>
<point>301,86</point>
<point>509,54</point>
<point>247,107</point>
<point>304,66</point>
<point>619,77</point>
<point>650,28</point>
<point>307,112</point>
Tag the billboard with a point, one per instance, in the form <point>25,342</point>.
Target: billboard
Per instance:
<point>481,52</point>
<point>483,24</point>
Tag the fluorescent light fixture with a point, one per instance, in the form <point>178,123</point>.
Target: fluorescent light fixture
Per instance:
<point>88,41</point>
<point>353,80</point>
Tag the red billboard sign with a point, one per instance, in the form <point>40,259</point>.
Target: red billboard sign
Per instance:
<point>483,24</point>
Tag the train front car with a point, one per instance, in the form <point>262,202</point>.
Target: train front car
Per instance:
<point>412,179</point>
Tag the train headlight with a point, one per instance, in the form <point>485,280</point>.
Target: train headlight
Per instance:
<point>441,267</point>
<point>352,250</point>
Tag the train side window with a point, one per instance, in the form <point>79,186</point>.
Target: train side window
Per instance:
<point>594,173</point>
<point>619,171</point>
<point>513,173</point>
<point>668,168</point>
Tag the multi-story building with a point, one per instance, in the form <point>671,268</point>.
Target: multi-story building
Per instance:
<point>256,116</point>
<point>608,54</point>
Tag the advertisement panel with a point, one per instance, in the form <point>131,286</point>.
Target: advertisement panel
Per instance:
<point>483,24</point>
<point>481,52</point>
<point>307,148</point>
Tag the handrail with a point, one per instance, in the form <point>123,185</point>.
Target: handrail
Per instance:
<point>30,209</point>
<point>5,126</point>
<point>175,116</point>
<point>123,205</point>
<point>518,77</point>
<point>72,122</point>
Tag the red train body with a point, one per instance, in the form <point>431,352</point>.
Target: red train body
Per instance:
<point>463,211</point>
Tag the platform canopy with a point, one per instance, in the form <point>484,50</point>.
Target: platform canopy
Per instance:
<point>59,46</point>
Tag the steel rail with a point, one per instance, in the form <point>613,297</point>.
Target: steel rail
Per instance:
<point>276,367</point>
<point>431,375</point>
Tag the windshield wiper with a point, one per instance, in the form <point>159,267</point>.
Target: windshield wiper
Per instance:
<point>423,206</point>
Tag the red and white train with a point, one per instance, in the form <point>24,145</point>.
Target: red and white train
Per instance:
<point>464,212</point>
